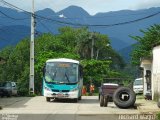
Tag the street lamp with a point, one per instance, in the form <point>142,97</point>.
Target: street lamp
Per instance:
<point>107,45</point>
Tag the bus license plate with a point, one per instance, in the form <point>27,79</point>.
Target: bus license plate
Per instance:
<point>60,95</point>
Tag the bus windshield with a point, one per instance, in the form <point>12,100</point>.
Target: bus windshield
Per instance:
<point>138,82</point>
<point>61,72</point>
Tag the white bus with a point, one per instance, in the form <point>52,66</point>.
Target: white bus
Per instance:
<point>62,79</point>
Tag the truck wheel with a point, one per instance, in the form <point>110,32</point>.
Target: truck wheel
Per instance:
<point>48,99</point>
<point>101,100</point>
<point>99,97</point>
<point>124,97</point>
<point>106,100</point>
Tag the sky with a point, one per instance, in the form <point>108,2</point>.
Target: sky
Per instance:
<point>91,6</point>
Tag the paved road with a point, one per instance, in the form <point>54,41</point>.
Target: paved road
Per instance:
<point>87,108</point>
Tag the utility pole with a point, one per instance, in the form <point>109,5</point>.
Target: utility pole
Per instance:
<point>92,49</point>
<point>31,82</point>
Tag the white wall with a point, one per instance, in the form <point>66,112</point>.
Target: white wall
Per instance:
<point>156,71</point>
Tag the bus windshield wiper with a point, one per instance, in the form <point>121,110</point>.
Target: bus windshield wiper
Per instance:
<point>67,78</point>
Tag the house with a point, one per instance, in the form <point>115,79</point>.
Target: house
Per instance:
<point>151,73</point>
<point>146,65</point>
<point>156,73</point>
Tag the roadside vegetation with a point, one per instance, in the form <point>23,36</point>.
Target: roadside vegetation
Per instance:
<point>145,43</point>
<point>75,43</point>
<point>158,116</point>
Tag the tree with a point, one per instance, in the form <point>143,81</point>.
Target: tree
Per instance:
<point>68,37</point>
<point>101,42</point>
<point>95,70</point>
<point>69,43</point>
<point>83,46</point>
<point>145,44</point>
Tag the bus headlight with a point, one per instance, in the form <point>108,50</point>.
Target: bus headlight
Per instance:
<point>48,89</point>
<point>75,89</point>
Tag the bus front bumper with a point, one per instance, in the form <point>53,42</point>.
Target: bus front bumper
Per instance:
<point>69,95</point>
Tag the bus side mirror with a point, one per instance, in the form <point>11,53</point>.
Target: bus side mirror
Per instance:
<point>44,69</point>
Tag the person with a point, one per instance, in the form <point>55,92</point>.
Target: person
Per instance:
<point>84,90</point>
<point>91,89</point>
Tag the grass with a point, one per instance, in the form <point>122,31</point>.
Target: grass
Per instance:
<point>94,94</point>
<point>32,95</point>
<point>139,96</point>
<point>158,116</point>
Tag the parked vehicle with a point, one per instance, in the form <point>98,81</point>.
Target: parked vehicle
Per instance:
<point>123,97</point>
<point>106,93</point>
<point>138,86</point>
<point>8,89</point>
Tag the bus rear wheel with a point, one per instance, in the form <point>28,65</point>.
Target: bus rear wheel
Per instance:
<point>48,99</point>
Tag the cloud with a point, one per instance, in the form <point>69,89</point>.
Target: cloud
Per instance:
<point>92,6</point>
<point>24,4</point>
<point>95,6</point>
<point>145,4</point>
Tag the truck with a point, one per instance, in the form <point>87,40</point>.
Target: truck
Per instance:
<point>106,93</point>
<point>62,79</point>
<point>114,91</point>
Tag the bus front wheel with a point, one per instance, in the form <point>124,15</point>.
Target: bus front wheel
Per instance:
<point>76,100</point>
<point>80,97</point>
<point>48,99</point>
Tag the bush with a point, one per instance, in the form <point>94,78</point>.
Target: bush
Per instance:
<point>23,92</point>
<point>31,95</point>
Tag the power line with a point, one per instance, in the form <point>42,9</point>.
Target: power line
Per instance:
<point>41,20</point>
<point>45,26</point>
<point>13,6</point>
<point>99,25</point>
<point>79,24</point>
<point>107,16</point>
<point>12,17</point>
